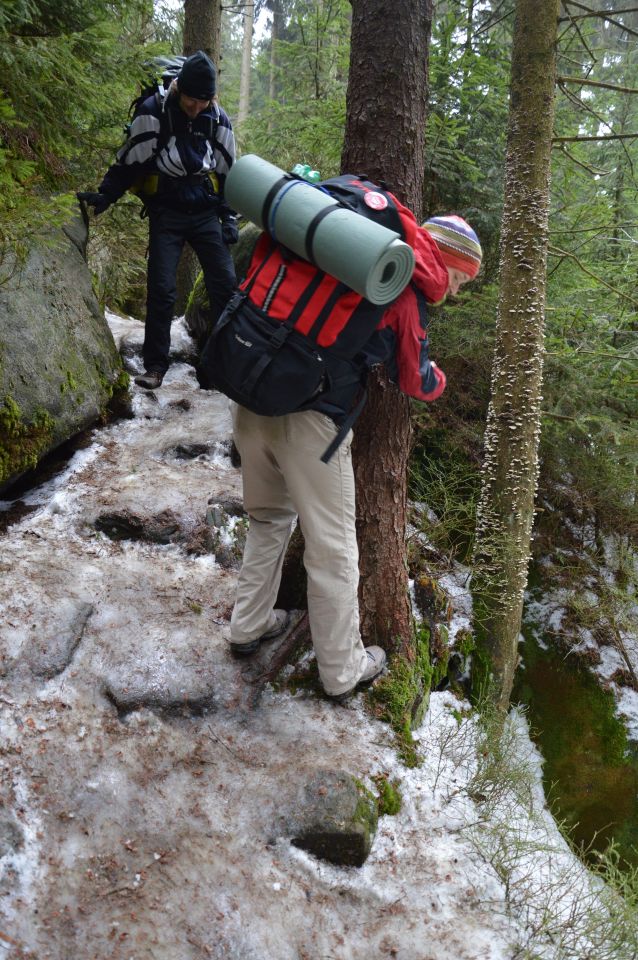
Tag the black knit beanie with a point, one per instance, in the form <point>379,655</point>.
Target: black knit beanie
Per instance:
<point>198,76</point>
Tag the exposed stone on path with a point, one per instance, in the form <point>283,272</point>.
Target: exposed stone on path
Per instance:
<point>49,656</point>
<point>177,694</point>
<point>49,648</point>
<point>336,819</point>
<point>222,533</point>
<point>125,525</point>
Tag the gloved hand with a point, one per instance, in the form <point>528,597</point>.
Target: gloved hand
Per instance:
<point>99,201</point>
<point>230,233</point>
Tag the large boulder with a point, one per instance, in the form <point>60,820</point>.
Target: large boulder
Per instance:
<point>59,365</point>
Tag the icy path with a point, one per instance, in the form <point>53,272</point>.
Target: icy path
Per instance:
<point>150,834</point>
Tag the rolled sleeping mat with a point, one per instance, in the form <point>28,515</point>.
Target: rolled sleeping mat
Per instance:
<point>364,255</point>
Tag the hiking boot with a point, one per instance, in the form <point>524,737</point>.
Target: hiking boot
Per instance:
<point>150,380</point>
<point>245,649</point>
<point>376,661</point>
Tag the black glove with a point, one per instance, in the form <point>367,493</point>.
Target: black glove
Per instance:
<point>99,201</point>
<point>230,233</point>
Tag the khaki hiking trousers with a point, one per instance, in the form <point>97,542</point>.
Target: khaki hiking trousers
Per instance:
<point>284,479</point>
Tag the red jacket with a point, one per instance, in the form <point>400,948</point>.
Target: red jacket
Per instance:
<point>404,324</point>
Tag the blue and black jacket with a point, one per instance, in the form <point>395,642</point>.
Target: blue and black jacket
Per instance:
<point>173,161</point>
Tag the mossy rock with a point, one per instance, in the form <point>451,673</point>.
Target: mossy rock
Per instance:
<point>336,818</point>
<point>59,366</point>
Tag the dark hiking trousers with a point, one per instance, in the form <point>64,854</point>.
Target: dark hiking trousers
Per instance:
<point>168,230</point>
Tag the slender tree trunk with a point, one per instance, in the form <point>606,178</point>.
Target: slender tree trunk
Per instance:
<point>275,33</point>
<point>246,60</point>
<point>202,31</point>
<point>385,138</point>
<point>506,505</point>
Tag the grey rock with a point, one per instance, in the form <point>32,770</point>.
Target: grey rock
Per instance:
<point>180,693</point>
<point>336,819</point>
<point>221,534</point>
<point>48,656</point>
<point>58,360</point>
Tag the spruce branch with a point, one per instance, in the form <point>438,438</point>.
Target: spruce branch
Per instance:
<point>612,136</point>
<point>603,14</point>
<point>557,252</point>
<point>572,21</point>
<point>581,81</point>
<point>585,166</point>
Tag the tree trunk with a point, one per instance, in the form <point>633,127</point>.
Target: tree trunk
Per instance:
<point>275,33</point>
<point>246,60</point>
<point>385,138</point>
<point>203,28</point>
<point>510,472</point>
<point>202,31</point>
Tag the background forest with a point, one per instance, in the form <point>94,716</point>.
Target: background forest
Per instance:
<point>70,72</point>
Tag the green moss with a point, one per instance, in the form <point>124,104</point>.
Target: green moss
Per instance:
<point>389,799</point>
<point>21,443</point>
<point>366,810</point>
<point>401,697</point>
<point>465,643</point>
<point>114,388</point>
<point>589,770</point>
<point>198,295</point>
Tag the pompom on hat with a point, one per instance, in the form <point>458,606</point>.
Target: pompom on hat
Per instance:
<point>459,245</point>
<point>198,77</point>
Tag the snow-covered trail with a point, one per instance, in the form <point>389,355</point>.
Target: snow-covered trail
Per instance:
<point>131,828</point>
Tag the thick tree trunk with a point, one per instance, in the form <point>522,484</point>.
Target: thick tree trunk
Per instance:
<point>510,472</point>
<point>385,138</point>
<point>203,28</point>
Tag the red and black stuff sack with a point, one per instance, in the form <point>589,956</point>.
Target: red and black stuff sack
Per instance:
<point>293,333</point>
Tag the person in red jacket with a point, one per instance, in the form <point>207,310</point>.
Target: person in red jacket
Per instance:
<point>285,480</point>
<point>448,255</point>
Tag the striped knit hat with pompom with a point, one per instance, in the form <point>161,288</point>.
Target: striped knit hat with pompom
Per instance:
<point>459,245</point>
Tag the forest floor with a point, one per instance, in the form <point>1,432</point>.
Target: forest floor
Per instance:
<point>148,785</point>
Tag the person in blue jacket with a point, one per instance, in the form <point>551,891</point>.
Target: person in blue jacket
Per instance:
<point>179,149</point>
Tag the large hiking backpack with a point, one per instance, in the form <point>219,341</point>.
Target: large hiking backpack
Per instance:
<point>293,334</point>
<point>159,73</point>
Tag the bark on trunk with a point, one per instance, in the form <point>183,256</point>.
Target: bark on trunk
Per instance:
<point>385,138</point>
<point>506,504</point>
<point>203,28</point>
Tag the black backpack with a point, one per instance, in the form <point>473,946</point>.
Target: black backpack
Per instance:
<point>159,73</point>
<point>293,334</point>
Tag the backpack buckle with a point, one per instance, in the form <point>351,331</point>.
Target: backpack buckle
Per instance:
<point>279,337</point>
